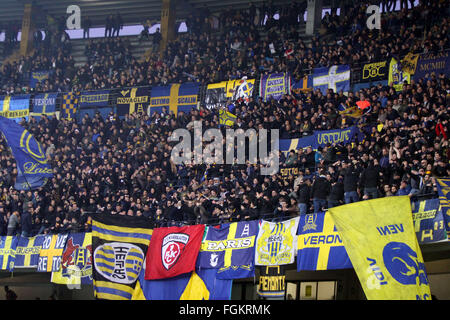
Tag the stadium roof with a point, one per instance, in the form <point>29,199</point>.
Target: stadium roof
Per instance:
<point>132,11</point>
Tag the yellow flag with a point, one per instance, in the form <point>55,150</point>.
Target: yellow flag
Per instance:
<point>379,238</point>
<point>397,76</point>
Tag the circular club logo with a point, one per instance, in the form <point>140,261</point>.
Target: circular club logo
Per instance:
<point>173,246</point>
<point>403,265</point>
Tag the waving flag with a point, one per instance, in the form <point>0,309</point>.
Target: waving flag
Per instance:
<point>119,245</point>
<point>379,238</point>
<point>33,169</point>
<point>319,245</point>
<point>173,251</point>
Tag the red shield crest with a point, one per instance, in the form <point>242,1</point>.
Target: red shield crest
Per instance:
<point>172,247</point>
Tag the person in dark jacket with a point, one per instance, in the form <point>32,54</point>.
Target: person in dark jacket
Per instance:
<point>350,184</point>
<point>304,192</point>
<point>336,197</point>
<point>320,191</point>
<point>27,224</point>
<point>369,181</point>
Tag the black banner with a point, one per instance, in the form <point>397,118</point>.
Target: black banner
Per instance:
<point>375,71</point>
<point>272,281</point>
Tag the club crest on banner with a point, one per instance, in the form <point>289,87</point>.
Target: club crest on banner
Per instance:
<point>173,246</point>
<point>119,262</point>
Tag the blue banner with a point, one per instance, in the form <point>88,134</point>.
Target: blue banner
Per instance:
<point>32,167</point>
<point>443,188</point>
<point>273,86</point>
<point>38,77</point>
<point>303,85</point>
<point>94,99</point>
<point>429,63</point>
<point>43,104</point>
<point>336,78</point>
<point>228,247</point>
<point>174,97</point>
<point>337,136</point>
<point>320,139</point>
<point>320,246</point>
<point>428,221</point>
<point>27,251</point>
<point>15,107</point>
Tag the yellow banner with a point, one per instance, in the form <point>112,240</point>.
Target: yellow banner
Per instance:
<point>397,76</point>
<point>379,238</point>
<point>409,63</point>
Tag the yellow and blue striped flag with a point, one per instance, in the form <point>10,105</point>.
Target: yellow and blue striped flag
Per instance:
<point>319,245</point>
<point>119,245</point>
<point>8,246</point>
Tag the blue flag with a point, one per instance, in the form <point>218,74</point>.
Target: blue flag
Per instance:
<point>428,221</point>
<point>33,169</point>
<point>319,244</point>
<point>8,246</point>
<point>334,77</point>
<point>199,285</point>
<point>229,245</point>
<point>27,251</point>
<point>443,188</point>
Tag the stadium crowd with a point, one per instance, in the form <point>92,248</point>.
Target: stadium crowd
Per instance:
<point>123,166</point>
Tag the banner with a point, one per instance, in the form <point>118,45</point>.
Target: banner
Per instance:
<point>94,99</point>
<point>229,245</point>
<point>396,76</point>
<point>409,63</point>
<point>173,251</point>
<point>27,251</point>
<point>69,105</point>
<point>320,138</point>
<point>287,173</point>
<point>226,118</point>
<point>43,104</point>
<point>274,85</point>
<point>375,71</point>
<point>202,284</point>
<point>39,77</point>
<point>217,94</point>
<point>336,136</point>
<point>303,85</point>
<point>76,263</point>
<point>276,243</point>
<point>429,63</point>
<point>33,171</point>
<point>15,107</point>
<point>51,252</point>
<point>174,97</point>
<point>336,78</point>
<point>8,246</point>
<point>379,238</point>
<point>287,145</point>
<point>132,100</point>
<point>319,244</point>
<point>428,221</point>
<point>119,244</point>
<point>443,188</point>
<point>272,282</point>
